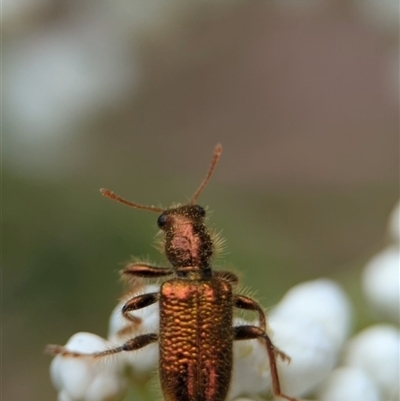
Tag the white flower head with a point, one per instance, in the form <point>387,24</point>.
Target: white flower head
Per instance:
<point>381,276</point>
<point>143,362</point>
<point>299,328</point>
<point>312,351</point>
<point>376,350</point>
<point>381,283</point>
<point>251,373</point>
<point>321,301</point>
<point>83,378</point>
<point>348,383</point>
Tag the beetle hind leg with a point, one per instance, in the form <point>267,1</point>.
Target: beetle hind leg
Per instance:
<point>254,332</point>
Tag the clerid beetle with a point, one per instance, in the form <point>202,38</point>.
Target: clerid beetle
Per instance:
<point>196,304</point>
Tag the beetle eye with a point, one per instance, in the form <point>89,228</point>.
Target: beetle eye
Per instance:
<point>200,210</point>
<point>162,220</point>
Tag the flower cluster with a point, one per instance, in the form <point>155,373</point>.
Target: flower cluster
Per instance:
<point>370,360</point>
<point>311,324</point>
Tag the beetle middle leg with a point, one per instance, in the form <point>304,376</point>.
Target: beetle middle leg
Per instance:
<point>254,332</point>
<point>136,303</point>
<point>131,345</point>
<point>246,303</point>
<point>139,302</point>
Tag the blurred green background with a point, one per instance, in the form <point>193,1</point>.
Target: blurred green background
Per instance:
<point>133,96</point>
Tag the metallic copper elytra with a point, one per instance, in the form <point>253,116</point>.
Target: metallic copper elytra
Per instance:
<point>196,309</point>
<point>195,339</point>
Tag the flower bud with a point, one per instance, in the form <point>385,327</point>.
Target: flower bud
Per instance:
<point>376,350</point>
<point>141,363</point>
<point>84,378</point>
<point>381,284</point>
<point>348,383</point>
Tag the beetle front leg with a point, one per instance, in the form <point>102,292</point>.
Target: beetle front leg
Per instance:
<point>131,345</point>
<point>253,332</point>
<point>145,270</point>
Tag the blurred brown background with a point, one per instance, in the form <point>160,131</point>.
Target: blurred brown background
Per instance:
<point>133,96</point>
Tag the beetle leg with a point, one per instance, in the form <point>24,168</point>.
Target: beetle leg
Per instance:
<point>145,270</point>
<point>131,345</point>
<point>246,303</point>
<point>139,302</point>
<point>135,303</point>
<point>253,332</point>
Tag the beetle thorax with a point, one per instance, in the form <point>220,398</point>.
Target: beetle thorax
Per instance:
<point>188,243</point>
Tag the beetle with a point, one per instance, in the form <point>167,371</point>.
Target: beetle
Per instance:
<point>196,305</point>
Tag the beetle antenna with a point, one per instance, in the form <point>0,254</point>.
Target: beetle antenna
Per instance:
<point>111,195</point>
<point>214,161</point>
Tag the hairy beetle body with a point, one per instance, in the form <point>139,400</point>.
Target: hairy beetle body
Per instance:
<point>196,307</point>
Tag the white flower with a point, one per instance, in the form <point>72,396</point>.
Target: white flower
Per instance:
<point>381,282</point>
<point>322,301</point>
<point>381,276</point>
<point>143,362</point>
<point>372,357</point>
<point>376,350</point>
<point>79,378</point>
<point>82,378</point>
<point>348,383</point>
<point>310,336</point>
<point>251,374</point>
<point>309,325</point>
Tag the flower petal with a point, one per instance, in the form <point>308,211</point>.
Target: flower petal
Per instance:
<point>82,378</point>
<point>376,350</point>
<point>141,363</point>
<point>381,282</point>
<point>312,351</point>
<point>321,301</point>
<point>310,324</point>
<point>348,383</point>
